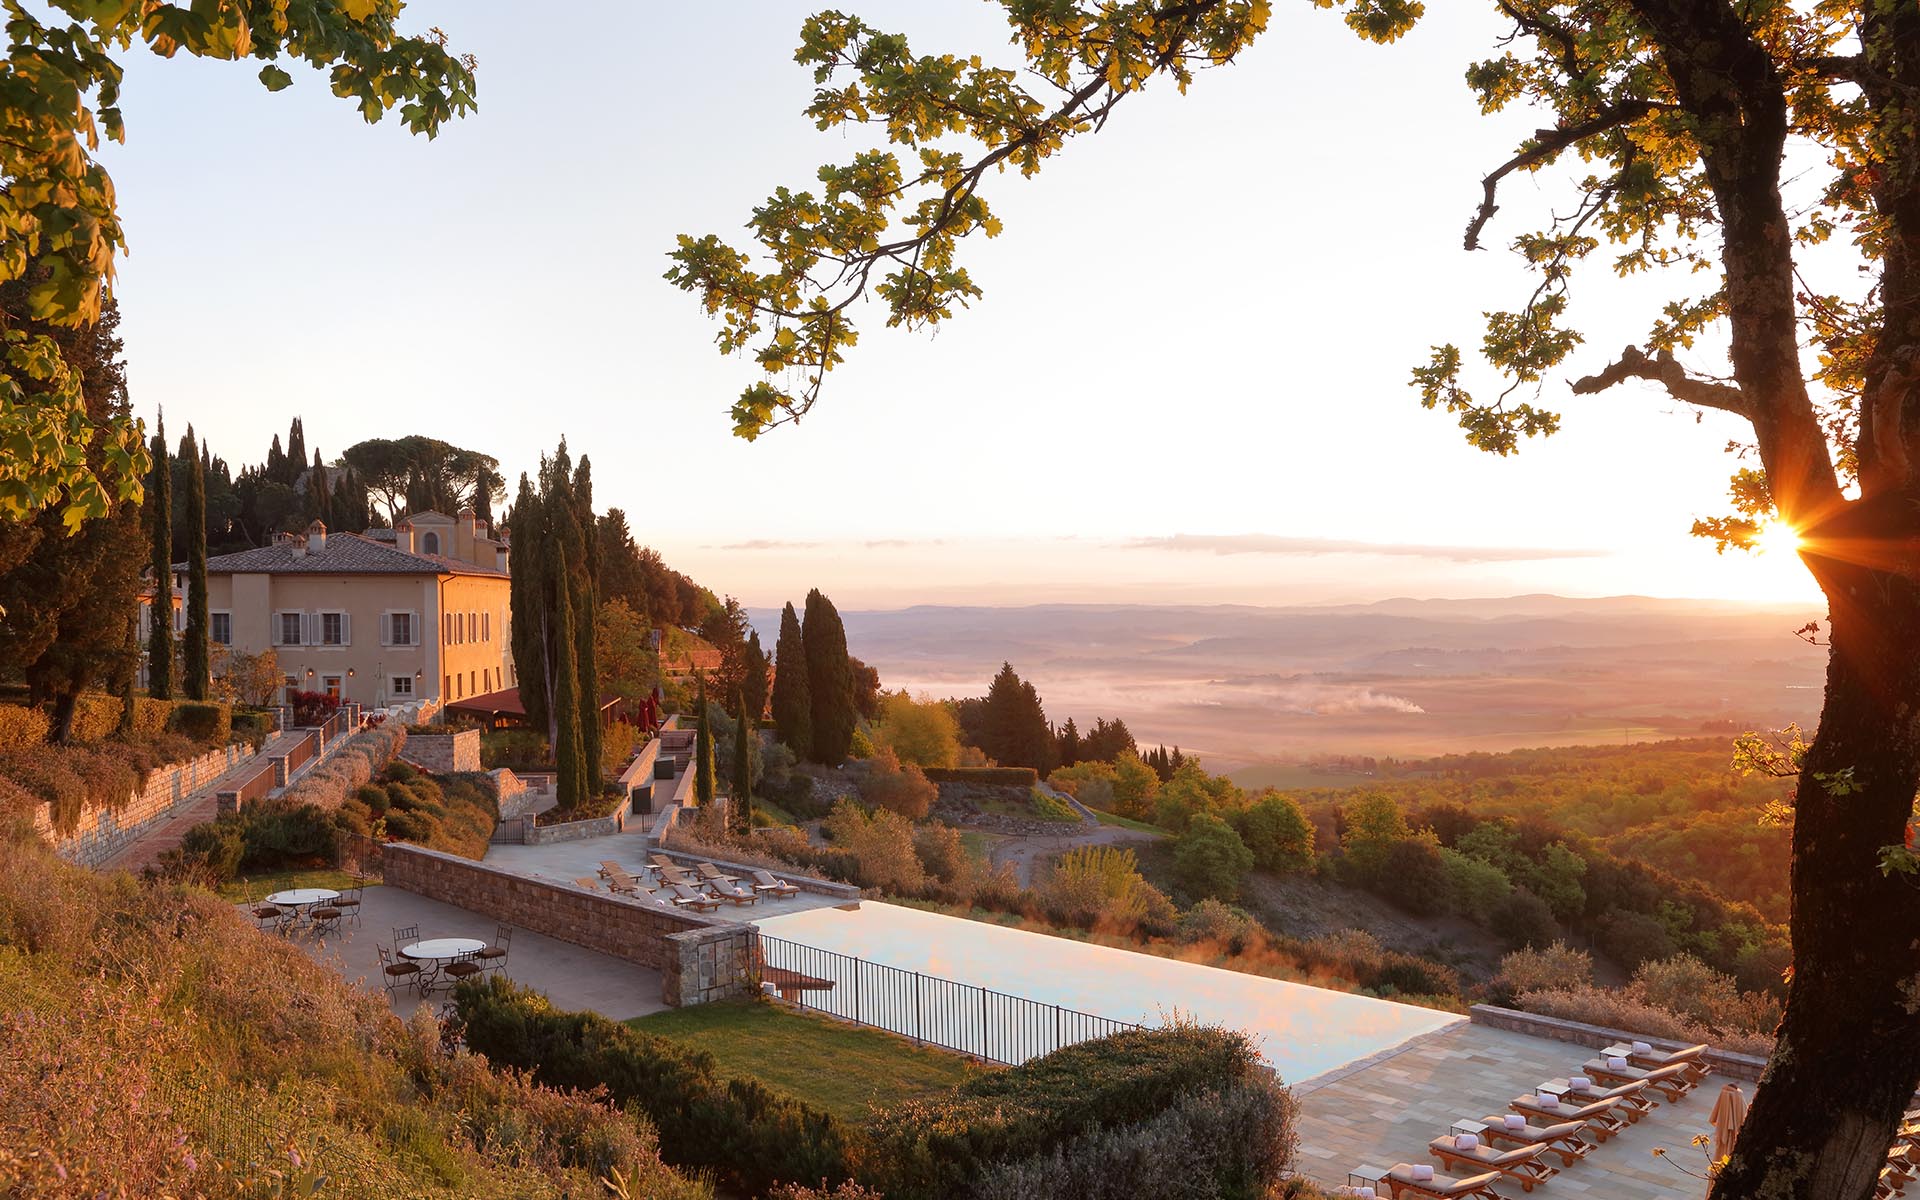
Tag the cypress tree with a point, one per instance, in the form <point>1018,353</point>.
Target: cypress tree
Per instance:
<point>742,811</point>
<point>792,700</point>
<point>296,458</point>
<point>703,766</point>
<point>753,689</point>
<point>195,680</point>
<point>569,755</point>
<point>160,521</point>
<point>585,581</point>
<point>829,680</point>
<point>528,601</point>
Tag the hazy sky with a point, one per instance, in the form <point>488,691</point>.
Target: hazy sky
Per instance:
<point>1187,379</point>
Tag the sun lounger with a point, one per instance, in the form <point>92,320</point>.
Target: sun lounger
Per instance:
<point>1401,1182</point>
<point>1672,1082</point>
<point>686,897</point>
<point>592,885</point>
<point>618,880</point>
<point>1691,1057</point>
<point>734,892</point>
<point>764,881</point>
<point>712,874</point>
<point>1563,1139</point>
<point>1635,1096</point>
<point>1603,1119</point>
<point>1523,1164</point>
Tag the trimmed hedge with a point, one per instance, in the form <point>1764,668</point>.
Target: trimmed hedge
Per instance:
<point>252,727</point>
<point>208,723</point>
<point>932,1149</point>
<point>1235,1143</point>
<point>22,726</point>
<point>985,776</point>
<point>355,763</point>
<point>749,1135</point>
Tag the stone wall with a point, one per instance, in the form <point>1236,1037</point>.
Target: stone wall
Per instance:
<point>1725,1063</point>
<point>806,883</point>
<point>639,931</point>
<point>572,831</point>
<point>105,830</point>
<point>443,752</point>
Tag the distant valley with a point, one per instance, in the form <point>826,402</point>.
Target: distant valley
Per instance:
<point>1248,687</point>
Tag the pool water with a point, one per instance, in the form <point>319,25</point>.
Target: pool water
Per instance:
<point>1301,1031</point>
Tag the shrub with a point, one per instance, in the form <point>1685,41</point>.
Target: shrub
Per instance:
<point>21,726</point>
<point>1631,938</point>
<point>1685,985</point>
<point>1235,1143</point>
<point>1474,889</point>
<point>935,1148</point>
<point>208,854</point>
<point>1557,967</point>
<point>1050,808</point>
<point>95,717</point>
<point>1210,859</point>
<point>1100,887</point>
<point>208,724</point>
<point>312,708</point>
<point>1212,921</point>
<point>1071,779</point>
<point>748,1134</point>
<point>880,846</point>
<point>1621,1009</point>
<point>253,728</point>
<point>515,749</point>
<point>942,854</point>
<point>985,776</point>
<point>897,787</point>
<point>1414,876</point>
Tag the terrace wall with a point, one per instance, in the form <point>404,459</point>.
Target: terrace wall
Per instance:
<point>105,830</point>
<point>444,752</point>
<point>712,961</point>
<point>1725,1063</point>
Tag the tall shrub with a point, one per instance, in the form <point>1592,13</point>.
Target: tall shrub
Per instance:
<point>569,751</point>
<point>829,680</point>
<point>742,809</point>
<point>792,696</point>
<point>703,765</point>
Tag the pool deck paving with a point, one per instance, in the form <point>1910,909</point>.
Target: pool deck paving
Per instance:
<point>1385,1109</point>
<point>580,859</point>
<point>572,977</point>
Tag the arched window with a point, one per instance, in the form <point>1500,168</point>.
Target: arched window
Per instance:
<point>431,544</point>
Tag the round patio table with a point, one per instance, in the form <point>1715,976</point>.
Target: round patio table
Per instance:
<point>303,898</point>
<point>442,949</point>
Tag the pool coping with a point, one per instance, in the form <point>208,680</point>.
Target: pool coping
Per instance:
<point>1313,1083</point>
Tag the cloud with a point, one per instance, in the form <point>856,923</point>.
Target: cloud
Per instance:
<point>1266,543</point>
<point>767,544</point>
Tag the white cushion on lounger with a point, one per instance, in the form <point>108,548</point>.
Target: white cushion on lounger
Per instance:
<point>1422,1173</point>
<point>1580,1083</point>
<point>1642,1048</point>
<point>1514,1121</point>
<point>1547,1100</point>
<point>1465,1141</point>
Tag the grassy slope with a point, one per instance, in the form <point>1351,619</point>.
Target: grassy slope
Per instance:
<point>844,1069</point>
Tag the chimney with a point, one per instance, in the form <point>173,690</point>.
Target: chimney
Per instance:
<point>500,557</point>
<point>299,546</point>
<point>403,535</point>
<point>317,537</point>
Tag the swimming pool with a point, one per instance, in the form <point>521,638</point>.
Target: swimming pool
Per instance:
<point>1301,1031</point>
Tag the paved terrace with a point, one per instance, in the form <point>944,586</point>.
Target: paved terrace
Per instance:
<point>1385,1109</point>
<point>572,977</point>
<point>566,861</point>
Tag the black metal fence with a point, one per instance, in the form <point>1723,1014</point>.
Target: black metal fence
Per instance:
<point>940,1012</point>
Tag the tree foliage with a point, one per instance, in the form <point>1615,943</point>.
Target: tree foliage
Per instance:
<point>62,96</point>
<point>829,680</point>
<point>195,656</point>
<point>416,473</point>
<point>792,694</point>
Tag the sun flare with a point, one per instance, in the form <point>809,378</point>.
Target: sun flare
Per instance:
<point>1777,537</point>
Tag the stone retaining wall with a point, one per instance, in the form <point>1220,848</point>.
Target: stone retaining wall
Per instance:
<point>444,752</point>
<point>105,830</point>
<point>1725,1063</point>
<point>714,962</point>
<point>806,883</point>
<point>572,831</point>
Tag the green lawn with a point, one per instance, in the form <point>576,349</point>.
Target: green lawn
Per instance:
<point>833,1065</point>
<point>1107,818</point>
<point>255,886</point>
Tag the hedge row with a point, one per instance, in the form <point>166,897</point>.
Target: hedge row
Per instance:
<point>985,776</point>
<point>935,1148</point>
<point>354,764</point>
<point>96,717</point>
<point>1232,1143</point>
<point>751,1136</point>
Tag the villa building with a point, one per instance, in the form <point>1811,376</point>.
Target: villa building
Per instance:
<point>416,612</point>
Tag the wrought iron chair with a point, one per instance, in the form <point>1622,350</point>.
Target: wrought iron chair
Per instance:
<point>494,957</point>
<point>323,919</point>
<point>397,974</point>
<point>464,967</point>
<point>349,901</point>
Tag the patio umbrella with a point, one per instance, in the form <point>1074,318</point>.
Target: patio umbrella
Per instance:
<point>1728,1111</point>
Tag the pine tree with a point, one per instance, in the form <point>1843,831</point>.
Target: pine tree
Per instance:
<point>1068,743</point>
<point>569,754</point>
<point>742,810</point>
<point>829,680</point>
<point>792,699</point>
<point>160,527</point>
<point>703,765</point>
<point>753,689</point>
<point>195,675</point>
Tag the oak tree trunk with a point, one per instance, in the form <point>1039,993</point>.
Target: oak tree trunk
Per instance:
<point>1847,1059</point>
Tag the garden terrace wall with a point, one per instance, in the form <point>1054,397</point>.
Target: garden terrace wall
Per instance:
<point>637,779</point>
<point>715,963</point>
<point>288,762</point>
<point>444,752</point>
<point>104,831</point>
<point>249,789</point>
<point>537,834</point>
<point>1725,1063</point>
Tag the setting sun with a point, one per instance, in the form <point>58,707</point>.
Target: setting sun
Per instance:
<point>1777,537</point>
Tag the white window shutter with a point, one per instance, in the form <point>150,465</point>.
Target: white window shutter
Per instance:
<point>346,629</point>
<point>413,625</point>
<point>386,629</point>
